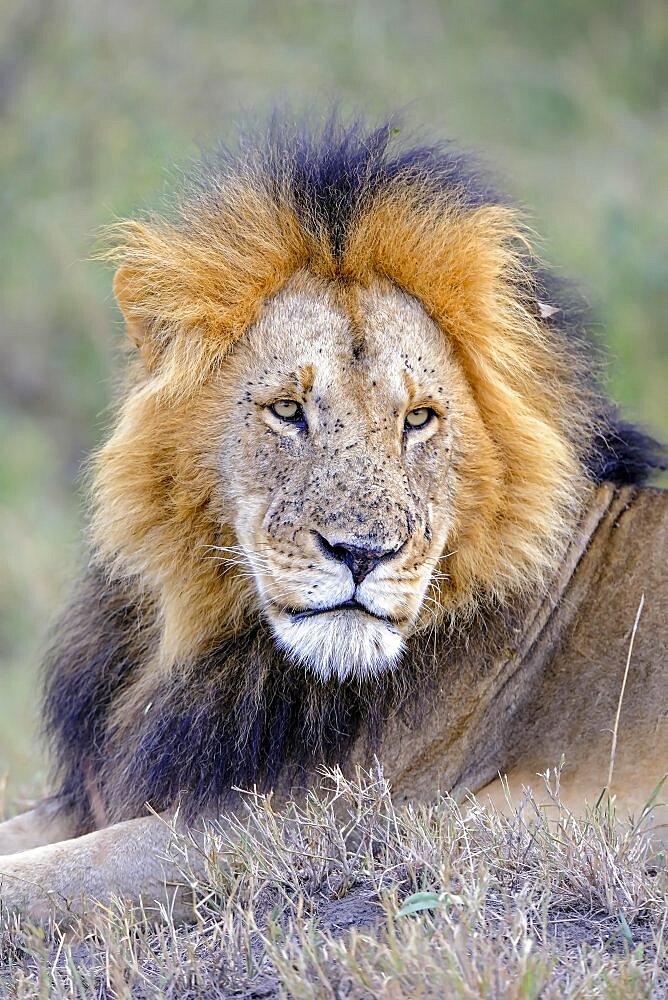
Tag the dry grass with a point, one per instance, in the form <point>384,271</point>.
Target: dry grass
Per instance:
<point>348,895</point>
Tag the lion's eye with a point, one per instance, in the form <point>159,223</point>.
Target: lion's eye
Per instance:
<point>287,409</point>
<point>418,418</point>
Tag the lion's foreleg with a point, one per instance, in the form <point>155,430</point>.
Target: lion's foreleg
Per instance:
<point>49,822</point>
<point>128,860</point>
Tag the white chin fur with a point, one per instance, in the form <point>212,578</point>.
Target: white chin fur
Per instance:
<point>340,644</point>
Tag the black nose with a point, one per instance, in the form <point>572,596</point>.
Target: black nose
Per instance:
<point>359,559</point>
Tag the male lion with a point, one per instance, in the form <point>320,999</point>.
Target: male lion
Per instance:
<point>364,494</point>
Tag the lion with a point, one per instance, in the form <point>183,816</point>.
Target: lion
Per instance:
<point>364,495</point>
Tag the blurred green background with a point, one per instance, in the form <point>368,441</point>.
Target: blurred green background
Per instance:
<point>568,99</point>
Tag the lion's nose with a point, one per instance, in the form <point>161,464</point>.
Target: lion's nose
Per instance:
<point>359,559</point>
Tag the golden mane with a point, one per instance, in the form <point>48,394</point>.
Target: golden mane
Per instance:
<point>191,286</point>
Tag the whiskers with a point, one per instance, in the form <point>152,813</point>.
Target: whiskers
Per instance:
<point>438,575</point>
<point>239,558</point>
<point>253,566</point>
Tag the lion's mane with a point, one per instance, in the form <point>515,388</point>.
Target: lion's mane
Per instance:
<point>159,682</point>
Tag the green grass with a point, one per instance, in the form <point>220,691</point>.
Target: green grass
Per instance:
<point>319,901</point>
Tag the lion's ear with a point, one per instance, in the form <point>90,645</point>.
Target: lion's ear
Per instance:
<point>137,326</point>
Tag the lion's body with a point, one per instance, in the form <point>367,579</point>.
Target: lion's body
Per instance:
<point>557,689</point>
<point>363,496</point>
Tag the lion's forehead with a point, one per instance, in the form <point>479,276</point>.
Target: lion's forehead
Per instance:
<point>363,343</point>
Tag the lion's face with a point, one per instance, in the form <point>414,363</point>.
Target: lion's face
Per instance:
<point>340,422</point>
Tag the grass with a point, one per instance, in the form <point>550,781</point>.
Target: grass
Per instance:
<point>347,895</point>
